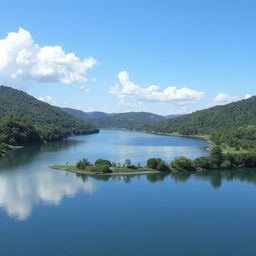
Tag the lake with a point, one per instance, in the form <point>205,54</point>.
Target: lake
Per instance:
<point>50,212</point>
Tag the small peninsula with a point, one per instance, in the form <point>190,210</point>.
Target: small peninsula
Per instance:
<point>216,160</point>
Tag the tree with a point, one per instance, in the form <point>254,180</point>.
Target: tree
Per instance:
<point>152,163</point>
<point>157,163</point>
<point>127,162</point>
<point>217,155</point>
<point>183,164</point>
<point>102,162</point>
<point>82,164</point>
<point>204,162</point>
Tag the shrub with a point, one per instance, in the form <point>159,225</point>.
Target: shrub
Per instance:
<point>99,168</point>
<point>157,163</point>
<point>132,166</point>
<point>82,164</point>
<point>226,164</point>
<point>183,164</point>
<point>152,163</point>
<point>102,162</point>
<point>204,162</point>
<point>102,168</point>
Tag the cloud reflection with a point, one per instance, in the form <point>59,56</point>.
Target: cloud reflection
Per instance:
<point>20,192</point>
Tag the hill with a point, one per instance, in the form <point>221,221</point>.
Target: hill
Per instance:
<point>85,115</point>
<point>18,109</point>
<point>126,120</point>
<point>233,125</point>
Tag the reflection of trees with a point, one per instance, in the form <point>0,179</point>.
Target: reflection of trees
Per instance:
<point>157,177</point>
<point>181,176</point>
<point>23,156</point>
<point>217,177</point>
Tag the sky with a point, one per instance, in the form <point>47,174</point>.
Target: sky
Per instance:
<point>165,57</point>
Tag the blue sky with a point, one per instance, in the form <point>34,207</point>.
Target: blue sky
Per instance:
<point>165,57</point>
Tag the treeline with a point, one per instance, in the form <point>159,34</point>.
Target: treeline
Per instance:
<point>126,120</point>
<point>232,125</point>
<point>216,161</point>
<point>15,132</point>
<point>25,120</point>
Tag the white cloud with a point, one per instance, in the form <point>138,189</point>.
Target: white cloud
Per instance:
<point>128,89</point>
<point>84,88</point>
<point>223,98</point>
<point>247,96</point>
<point>47,99</point>
<point>21,58</point>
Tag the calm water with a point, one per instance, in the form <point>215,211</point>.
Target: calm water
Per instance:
<point>47,212</point>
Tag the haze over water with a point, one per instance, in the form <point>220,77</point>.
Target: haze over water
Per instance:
<point>50,212</point>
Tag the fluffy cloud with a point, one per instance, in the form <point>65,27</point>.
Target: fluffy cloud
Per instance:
<point>47,99</point>
<point>223,98</point>
<point>21,58</point>
<point>128,89</point>
<point>247,96</point>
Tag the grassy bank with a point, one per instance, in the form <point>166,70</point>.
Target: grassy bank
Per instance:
<point>113,170</point>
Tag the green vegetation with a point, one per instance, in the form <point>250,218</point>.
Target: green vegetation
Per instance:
<point>126,120</point>
<point>233,126</point>
<point>115,120</point>
<point>157,164</point>
<point>85,115</point>
<point>217,160</point>
<point>25,120</point>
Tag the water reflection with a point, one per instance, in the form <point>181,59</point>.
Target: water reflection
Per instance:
<point>215,178</point>
<point>19,193</point>
<point>23,156</point>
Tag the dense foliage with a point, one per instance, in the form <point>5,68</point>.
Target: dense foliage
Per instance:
<point>84,115</point>
<point>100,166</point>
<point>126,120</point>
<point>116,120</point>
<point>16,132</point>
<point>217,160</point>
<point>157,164</point>
<point>24,119</point>
<point>233,125</point>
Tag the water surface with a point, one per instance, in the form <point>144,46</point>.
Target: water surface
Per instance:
<point>49,212</point>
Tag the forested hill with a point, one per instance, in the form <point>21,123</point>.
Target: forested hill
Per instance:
<point>233,124</point>
<point>126,120</point>
<point>85,115</point>
<point>115,120</point>
<point>51,122</point>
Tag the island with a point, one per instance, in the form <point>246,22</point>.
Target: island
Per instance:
<point>217,160</point>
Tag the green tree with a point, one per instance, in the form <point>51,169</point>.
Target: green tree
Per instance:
<point>127,162</point>
<point>182,164</point>
<point>217,155</point>
<point>102,162</point>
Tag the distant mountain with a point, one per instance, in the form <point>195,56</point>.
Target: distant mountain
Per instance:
<point>173,116</point>
<point>85,115</point>
<point>115,120</point>
<point>233,124</point>
<point>51,122</point>
<point>126,120</point>
<point>76,113</point>
<point>97,114</point>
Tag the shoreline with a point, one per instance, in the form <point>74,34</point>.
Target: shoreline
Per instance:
<point>135,172</point>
